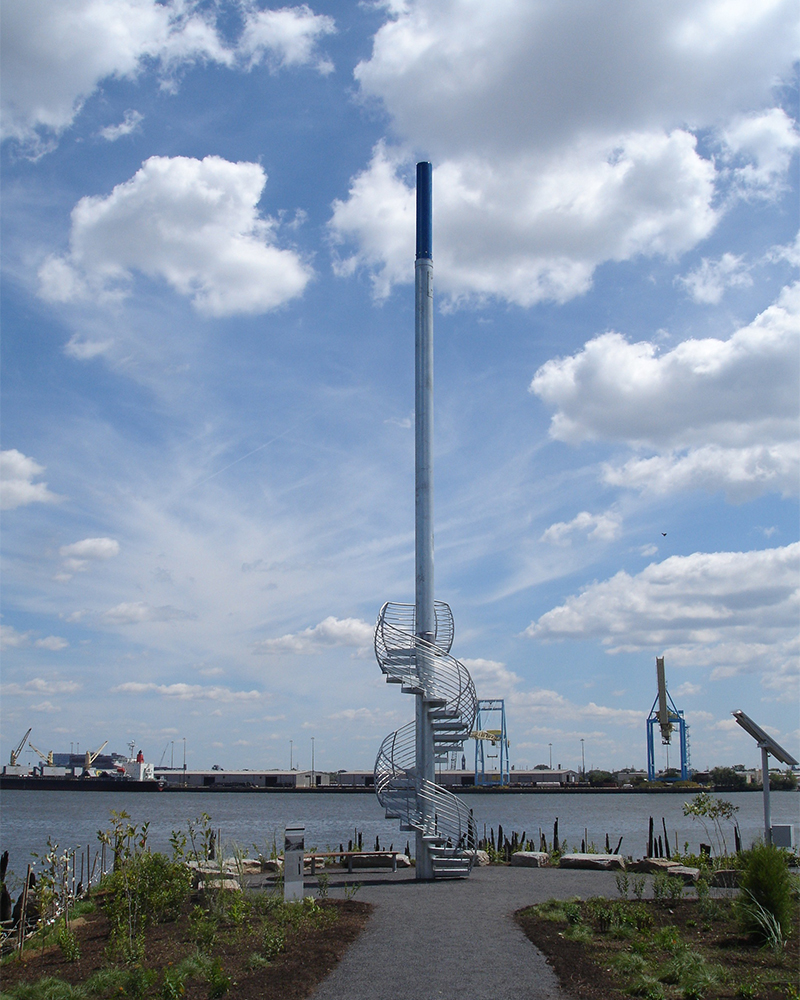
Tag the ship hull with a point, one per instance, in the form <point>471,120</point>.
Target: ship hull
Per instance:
<point>55,783</point>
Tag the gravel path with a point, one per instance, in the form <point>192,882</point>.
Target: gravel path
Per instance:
<point>452,939</point>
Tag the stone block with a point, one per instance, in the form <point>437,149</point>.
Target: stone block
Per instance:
<point>593,862</point>
<point>530,859</point>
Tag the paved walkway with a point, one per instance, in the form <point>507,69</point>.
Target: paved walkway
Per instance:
<point>452,939</point>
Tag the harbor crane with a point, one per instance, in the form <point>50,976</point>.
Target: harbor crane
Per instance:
<point>667,717</point>
<point>18,749</point>
<point>494,709</point>
<point>92,757</point>
<point>45,758</point>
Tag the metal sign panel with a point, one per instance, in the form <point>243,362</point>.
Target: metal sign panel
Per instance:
<point>294,844</point>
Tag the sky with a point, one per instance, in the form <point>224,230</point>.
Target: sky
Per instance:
<point>207,381</point>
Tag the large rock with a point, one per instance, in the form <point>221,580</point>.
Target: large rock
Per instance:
<point>228,884</point>
<point>649,866</point>
<point>593,862</point>
<point>372,859</point>
<point>689,875</point>
<point>530,859</point>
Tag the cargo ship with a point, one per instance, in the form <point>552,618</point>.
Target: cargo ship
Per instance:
<point>89,771</point>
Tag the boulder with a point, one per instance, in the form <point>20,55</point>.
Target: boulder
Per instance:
<point>373,859</point>
<point>593,862</point>
<point>271,864</point>
<point>479,858</point>
<point>228,884</point>
<point>530,859</point>
<point>725,878</point>
<point>689,875</point>
<point>249,866</point>
<point>649,866</point>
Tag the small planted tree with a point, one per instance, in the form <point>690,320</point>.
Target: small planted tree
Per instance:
<point>711,813</point>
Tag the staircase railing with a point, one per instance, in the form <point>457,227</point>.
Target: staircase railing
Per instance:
<point>449,698</point>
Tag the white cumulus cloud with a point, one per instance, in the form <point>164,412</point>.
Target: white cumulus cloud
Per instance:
<point>286,37</point>
<point>10,638</point>
<point>186,692</point>
<point>719,414</point>
<point>17,488</point>
<point>130,122</point>
<point>331,632</point>
<point>705,608</point>
<point>91,548</point>
<point>563,137</point>
<point>56,55</point>
<point>601,527</point>
<point>491,674</point>
<point>763,145</point>
<point>192,223</point>
<point>707,283</point>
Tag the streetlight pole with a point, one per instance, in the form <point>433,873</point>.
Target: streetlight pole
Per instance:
<point>551,755</point>
<point>583,761</point>
<point>184,760</point>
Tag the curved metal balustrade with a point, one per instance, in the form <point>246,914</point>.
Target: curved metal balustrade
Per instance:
<point>427,669</point>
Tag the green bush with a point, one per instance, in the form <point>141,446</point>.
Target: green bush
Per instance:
<point>68,944</point>
<point>145,888</point>
<point>765,886</point>
<point>218,982</point>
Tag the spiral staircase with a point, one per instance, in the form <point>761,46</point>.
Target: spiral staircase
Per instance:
<point>448,697</point>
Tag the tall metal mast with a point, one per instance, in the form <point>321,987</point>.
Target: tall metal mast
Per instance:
<point>423,469</point>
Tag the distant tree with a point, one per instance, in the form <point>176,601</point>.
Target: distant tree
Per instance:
<point>786,782</point>
<point>542,767</point>
<point>707,809</point>
<point>601,778</point>
<point>725,779</point>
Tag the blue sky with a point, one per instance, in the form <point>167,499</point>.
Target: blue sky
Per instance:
<point>207,405</point>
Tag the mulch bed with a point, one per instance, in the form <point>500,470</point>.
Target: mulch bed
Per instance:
<point>585,973</point>
<point>292,975</point>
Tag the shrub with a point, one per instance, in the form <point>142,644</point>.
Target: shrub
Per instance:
<point>646,987</point>
<point>218,982</point>
<point>144,889</point>
<point>766,888</point>
<point>68,944</point>
<point>581,933</point>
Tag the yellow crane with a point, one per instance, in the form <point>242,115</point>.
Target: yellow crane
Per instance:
<point>92,757</point>
<point>45,758</point>
<point>18,749</point>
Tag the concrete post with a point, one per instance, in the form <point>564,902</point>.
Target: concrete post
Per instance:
<point>423,468</point>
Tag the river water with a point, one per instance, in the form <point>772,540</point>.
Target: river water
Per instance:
<point>72,819</point>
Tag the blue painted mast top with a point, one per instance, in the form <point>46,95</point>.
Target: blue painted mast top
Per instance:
<point>424,211</point>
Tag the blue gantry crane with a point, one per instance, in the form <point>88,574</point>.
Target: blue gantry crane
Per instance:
<point>667,717</point>
<point>490,727</point>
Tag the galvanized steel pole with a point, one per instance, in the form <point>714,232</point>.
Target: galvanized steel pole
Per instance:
<point>423,522</point>
<point>765,792</point>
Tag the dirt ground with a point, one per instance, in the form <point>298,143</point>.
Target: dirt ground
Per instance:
<point>585,970</point>
<point>308,957</point>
